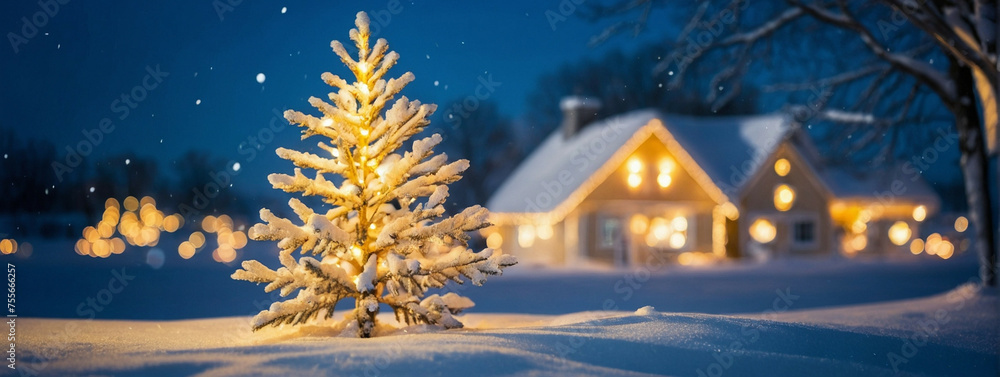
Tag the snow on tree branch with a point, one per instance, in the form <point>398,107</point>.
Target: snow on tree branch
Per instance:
<point>385,238</point>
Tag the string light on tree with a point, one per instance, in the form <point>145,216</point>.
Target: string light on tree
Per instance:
<point>384,239</point>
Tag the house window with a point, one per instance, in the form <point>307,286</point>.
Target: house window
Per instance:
<point>804,232</point>
<point>610,232</point>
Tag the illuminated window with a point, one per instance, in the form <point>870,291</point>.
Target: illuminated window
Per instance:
<point>782,167</point>
<point>634,165</point>
<point>763,231</point>
<point>544,231</point>
<point>526,235</point>
<point>784,197</point>
<point>664,180</point>
<point>666,169</point>
<point>634,180</point>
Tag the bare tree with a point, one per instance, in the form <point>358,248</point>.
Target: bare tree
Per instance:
<point>896,70</point>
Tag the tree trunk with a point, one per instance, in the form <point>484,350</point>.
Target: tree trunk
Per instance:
<point>364,315</point>
<point>975,169</point>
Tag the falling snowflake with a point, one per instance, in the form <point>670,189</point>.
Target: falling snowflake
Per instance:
<point>236,166</point>
<point>197,102</point>
<point>91,188</point>
<point>128,161</point>
<point>261,78</point>
<point>436,83</point>
<point>284,9</point>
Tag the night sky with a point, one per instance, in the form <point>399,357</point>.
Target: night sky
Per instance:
<point>68,76</point>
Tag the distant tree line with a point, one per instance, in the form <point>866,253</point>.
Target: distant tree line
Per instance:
<point>495,143</point>
<point>30,190</point>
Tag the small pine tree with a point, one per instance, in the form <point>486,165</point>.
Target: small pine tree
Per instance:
<point>378,243</point>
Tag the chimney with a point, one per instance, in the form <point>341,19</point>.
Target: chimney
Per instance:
<point>577,113</point>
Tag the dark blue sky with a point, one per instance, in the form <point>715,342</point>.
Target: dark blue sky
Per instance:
<point>68,77</point>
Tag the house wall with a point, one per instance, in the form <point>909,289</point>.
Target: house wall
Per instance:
<point>810,205</point>
<point>614,201</point>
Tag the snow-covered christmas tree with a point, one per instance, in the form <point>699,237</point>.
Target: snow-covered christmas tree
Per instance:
<point>384,239</point>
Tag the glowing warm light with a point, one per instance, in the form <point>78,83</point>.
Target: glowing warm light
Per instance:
<point>634,165</point>
<point>946,249</point>
<point>667,166</point>
<point>865,216</point>
<point>147,200</point>
<point>730,211</point>
<point>170,223</point>
<point>920,213</point>
<point>226,253</point>
<point>224,221</point>
<point>634,180</point>
<point>117,246</point>
<point>494,241</point>
<point>239,239</point>
<point>782,167</point>
<point>364,132</point>
<point>208,224</point>
<point>131,203</point>
<point>784,197</point>
<point>933,243</point>
<point>544,231</point>
<point>664,180</point>
<point>90,234</point>
<point>899,233</point>
<point>186,250</point>
<point>859,227</point>
<point>356,252</point>
<point>677,240</point>
<point>363,67</point>
<point>917,246</point>
<point>526,235</point>
<point>8,246</point>
<point>111,203</point>
<point>651,240</point>
<point>327,122</point>
<point>101,248</point>
<point>82,247</point>
<point>685,259</point>
<point>763,231</point>
<point>859,242</point>
<point>961,224</point>
<point>197,239</point>
<point>638,224</point>
<point>680,223</point>
<point>661,228</point>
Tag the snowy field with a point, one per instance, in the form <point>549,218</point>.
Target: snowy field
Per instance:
<point>858,340</point>
<point>911,316</point>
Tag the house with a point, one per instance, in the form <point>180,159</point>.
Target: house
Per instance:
<point>643,185</point>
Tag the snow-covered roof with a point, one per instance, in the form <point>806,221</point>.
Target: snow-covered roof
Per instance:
<point>890,183</point>
<point>894,183</point>
<point>560,167</point>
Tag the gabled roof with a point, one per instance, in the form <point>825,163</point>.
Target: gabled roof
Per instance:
<point>846,183</point>
<point>712,147</point>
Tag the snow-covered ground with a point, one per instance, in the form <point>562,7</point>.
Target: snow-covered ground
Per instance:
<point>911,316</point>
<point>955,333</point>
